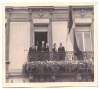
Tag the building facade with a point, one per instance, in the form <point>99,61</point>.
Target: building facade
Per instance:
<point>27,25</point>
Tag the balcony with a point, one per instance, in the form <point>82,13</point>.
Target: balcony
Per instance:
<point>67,66</point>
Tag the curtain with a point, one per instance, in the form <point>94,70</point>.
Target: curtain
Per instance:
<point>87,41</point>
<point>79,41</point>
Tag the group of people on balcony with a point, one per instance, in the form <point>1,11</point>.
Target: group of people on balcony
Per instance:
<point>45,48</point>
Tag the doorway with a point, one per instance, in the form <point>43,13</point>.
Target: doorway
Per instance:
<point>39,37</point>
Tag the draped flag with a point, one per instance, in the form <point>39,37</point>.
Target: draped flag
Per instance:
<point>70,19</point>
<point>71,32</point>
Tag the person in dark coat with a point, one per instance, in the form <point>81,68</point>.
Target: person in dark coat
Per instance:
<point>54,49</point>
<point>47,52</point>
<point>61,48</point>
<point>31,49</point>
<point>61,51</point>
<point>31,52</point>
<point>36,54</point>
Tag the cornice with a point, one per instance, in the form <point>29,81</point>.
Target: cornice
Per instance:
<point>50,7</point>
<point>88,7</point>
<point>40,7</point>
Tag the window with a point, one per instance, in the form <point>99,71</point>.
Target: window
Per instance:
<point>83,37</point>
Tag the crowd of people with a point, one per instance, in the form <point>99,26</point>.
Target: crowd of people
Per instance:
<point>45,48</point>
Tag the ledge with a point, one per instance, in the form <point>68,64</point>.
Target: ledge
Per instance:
<point>7,62</point>
<point>81,7</point>
<point>7,75</point>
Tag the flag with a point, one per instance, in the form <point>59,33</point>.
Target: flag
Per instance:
<point>76,48</point>
<point>72,33</point>
<point>69,39</point>
<point>70,19</point>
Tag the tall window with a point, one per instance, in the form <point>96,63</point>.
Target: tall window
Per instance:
<point>83,37</point>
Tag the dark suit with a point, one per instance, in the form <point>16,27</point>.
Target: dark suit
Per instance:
<point>36,55</point>
<point>61,52</point>
<point>47,56</point>
<point>42,55</point>
<point>61,49</point>
<point>31,50</point>
<point>54,49</point>
<point>54,53</point>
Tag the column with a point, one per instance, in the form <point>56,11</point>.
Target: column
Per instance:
<point>50,36</point>
<point>92,30</point>
<point>50,32</point>
<point>31,28</point>
<point>7,33</point>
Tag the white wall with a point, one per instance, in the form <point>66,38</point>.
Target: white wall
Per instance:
<point>19,41</point>
<point>59,32</point>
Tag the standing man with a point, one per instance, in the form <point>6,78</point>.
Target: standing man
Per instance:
<point>38,45</point>
<point>54,49</point>
<point>42,56</point>
<point>43,46</point>
<point>36,55</point>
<point>36,48</point>
<point>31,52</point>
<point>47,52</point>
<point>61,51</point>
<point>31,49</point>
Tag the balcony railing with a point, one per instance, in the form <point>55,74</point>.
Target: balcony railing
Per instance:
<point>57,56</point>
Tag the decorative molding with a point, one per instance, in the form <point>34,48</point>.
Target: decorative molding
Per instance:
<point>82,13</point>
<point>41,13</point>
<point>37,12</point>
